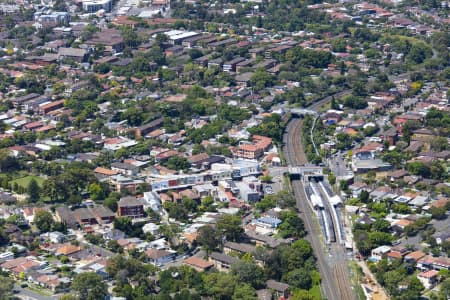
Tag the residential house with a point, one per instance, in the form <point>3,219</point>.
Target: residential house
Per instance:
<point>428,278</point>
<point>380,253</point>
<point>84,216</point>
<point>414,256</point>
<point>222,262</point>
<point>268,222</point>
<point>174,51</point>
<point>111,39</point>
<point>5,256</point>
<point>125,169</point>
<point>390,135</point>
<point>113,234</point>
<point>159,257</point>
<point>397,253</point>
<point>67,249</point>
<point>230,66</point>
<point>101,172</point>
<point>55,237</point>
<point>76,54</point>
<point>102,214</point>
<point>429,262</point>
<point>65,215</point>
<point>280,289</point>
<point>264,240</point>
<point>198,264</point>
<point>145,129</point>
<point>241,248</point>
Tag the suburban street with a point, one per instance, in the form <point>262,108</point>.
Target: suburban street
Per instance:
<point>337,165</point>
<point>26,294</point>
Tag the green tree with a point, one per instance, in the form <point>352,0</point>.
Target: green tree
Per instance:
<point>302,295</point>
<point>177,163</point>
<point>134,116</point>
<point>33,190</point>
<point>292,225</point>
<point>439,144</point>
<point>209,238</point>
<point>381,225</point>
<point>418,53</point>
<point>219,285</point>
<point>344,141</point>
<point>231,227</point>
<point>261,79</point>
<point>6,287</point>
<point>4,239</point>
<point>266,203</point>
<point>89,286</point>
<point>364,196</point>
<point>438,213</point>
<point>248,272</point>
<point>419,168</point>
<point>299,278</point>
<point>445,289</point>
<point>244,292</point>
<point>111,201</point>
<point>43,220</point>
<point>96,191</point>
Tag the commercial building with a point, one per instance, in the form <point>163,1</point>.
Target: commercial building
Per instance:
<point>176,37</point>
<point>130,207</point>
<point>92,6</point>
<point>255,149</point>
<point>53,19</point>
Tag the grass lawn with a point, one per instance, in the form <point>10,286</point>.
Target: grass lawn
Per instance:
<point>24,181</point>
<point>315,291</point>
<point>39,290</point>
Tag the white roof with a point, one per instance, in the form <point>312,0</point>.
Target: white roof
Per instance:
<point>335,200</point>
<point>43,147</point>
<point>180,34</point>
<point>382,249</point>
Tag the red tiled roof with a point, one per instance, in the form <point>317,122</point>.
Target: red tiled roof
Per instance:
<point>198,262</point>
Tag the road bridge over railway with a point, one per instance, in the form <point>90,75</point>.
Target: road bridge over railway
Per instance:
<point>302,112</point>
<point>305,172</point>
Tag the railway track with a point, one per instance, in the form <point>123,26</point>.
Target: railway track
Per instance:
<point>340,273</point>
<point>335,283</point>
<point>332,265</point>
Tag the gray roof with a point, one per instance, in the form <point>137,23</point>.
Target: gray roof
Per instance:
<point>241,247</point>
<point>157,122</point>
<point>102,211</point>
<point>74,52</point>
<point>268,240</point>
<point>129,201</point>
<point>244,77</point>
<point>223,258</point>
<point>277,286</point>
<point>83,213</point>
<point>124,166</point>
<point>66,215</point>
<point>24,98</point>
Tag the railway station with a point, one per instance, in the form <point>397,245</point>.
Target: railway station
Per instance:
<point>306,173</point>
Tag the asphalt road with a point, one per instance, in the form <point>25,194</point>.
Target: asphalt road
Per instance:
<point>26,294</point>
<point>337,165</point>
